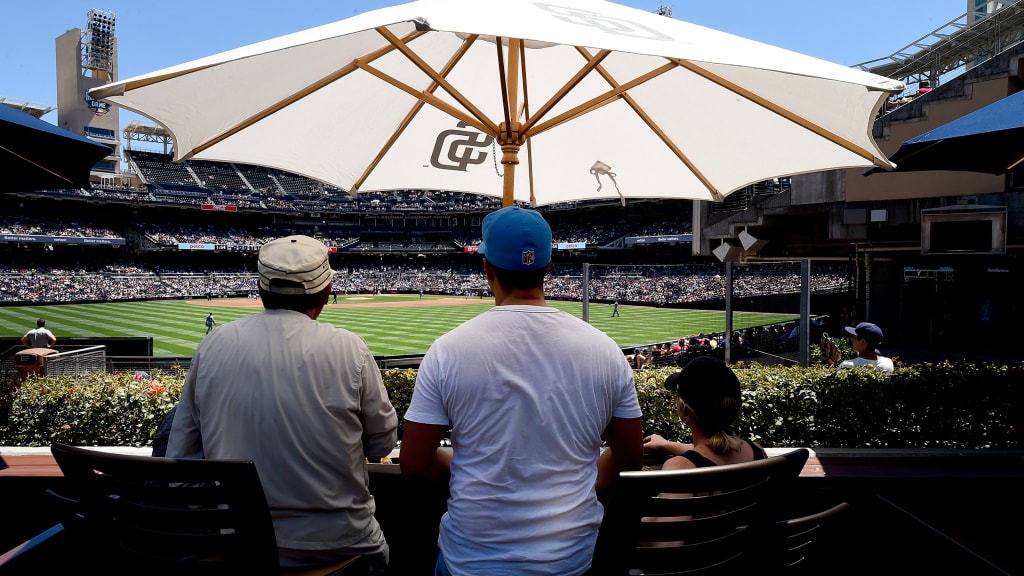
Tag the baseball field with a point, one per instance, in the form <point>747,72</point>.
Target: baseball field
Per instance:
<point>391,324</point>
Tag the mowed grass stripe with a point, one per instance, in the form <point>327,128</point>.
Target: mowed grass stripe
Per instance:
<point>129,319</point>
<point>390,331</point>
<point>177,327</point>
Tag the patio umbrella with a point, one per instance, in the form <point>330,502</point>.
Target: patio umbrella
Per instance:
<point>526,100</point>
<point>989,140</point>
<point>36,155</point>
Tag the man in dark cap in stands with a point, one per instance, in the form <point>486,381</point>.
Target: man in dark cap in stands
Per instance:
<point>865,338</point>
<point>528,392</point>
<point>303,400</point>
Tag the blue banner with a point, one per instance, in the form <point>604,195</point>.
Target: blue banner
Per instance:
<point>658,239</point>
<point>61,239</point>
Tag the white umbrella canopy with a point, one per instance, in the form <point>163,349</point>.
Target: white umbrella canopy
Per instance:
<point>588,99</point>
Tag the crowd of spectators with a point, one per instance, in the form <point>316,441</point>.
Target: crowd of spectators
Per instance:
<point>164,234</point>
<point>171,235</point>
<point>54,226</point>
<point>258,188</point>
<point>392,201</point>
<point>664,285</point>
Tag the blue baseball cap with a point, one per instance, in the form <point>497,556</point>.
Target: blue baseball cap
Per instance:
<point>516,239</point>
<point>866,331</point>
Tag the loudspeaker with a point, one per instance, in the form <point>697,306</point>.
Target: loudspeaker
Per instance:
<point>727,252</point>
<point>750,243</point>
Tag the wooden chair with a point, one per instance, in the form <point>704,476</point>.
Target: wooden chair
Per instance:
<point>150,515</point>
<point>698,521</point>
<point>796,540</point>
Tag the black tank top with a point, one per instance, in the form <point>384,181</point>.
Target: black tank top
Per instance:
<point>702,462</point>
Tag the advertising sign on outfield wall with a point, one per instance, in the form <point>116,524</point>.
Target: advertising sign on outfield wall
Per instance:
<point>633,240</point>
<point>61,239</point>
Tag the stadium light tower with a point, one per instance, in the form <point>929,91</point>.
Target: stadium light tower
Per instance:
<point>98,52</point>
<point>87,58</point>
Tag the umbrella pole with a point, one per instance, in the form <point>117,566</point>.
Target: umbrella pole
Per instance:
<point>509,158</point>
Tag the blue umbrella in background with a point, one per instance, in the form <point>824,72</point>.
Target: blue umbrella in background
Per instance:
<point>36,155</point>
<point>989,140</point>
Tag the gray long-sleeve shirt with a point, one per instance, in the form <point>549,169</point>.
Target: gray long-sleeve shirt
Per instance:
<point>305,401</point>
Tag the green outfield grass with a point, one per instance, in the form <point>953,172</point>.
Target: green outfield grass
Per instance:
<point>177,327</point>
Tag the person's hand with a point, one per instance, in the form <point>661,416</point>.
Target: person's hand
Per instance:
<point>655,442</point>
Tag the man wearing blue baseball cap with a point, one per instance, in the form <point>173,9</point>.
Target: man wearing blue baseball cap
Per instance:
<point>865,338</point>
<point>528,392</point>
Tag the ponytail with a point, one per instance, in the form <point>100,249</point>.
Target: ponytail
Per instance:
<point>722,442</point>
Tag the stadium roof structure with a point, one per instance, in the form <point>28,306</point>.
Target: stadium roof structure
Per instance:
<point>141,132</point>
<point>33,108</point>
<point>952,46</point>
<point>37,155</point>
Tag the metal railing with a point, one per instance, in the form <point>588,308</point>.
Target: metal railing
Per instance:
<point>117,364</point>
<point>76,362</point>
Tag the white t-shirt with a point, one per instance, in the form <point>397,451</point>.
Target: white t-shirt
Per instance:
<point>528,391</point>
<point>882,363</point>
<point>39,337</point>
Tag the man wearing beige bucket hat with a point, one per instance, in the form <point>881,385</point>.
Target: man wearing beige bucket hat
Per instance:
<point>302,399</point>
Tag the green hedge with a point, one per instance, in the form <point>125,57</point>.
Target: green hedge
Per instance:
<point>99,409</point>
<point>944,405</point>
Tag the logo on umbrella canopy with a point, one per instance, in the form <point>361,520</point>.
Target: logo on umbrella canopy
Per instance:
<point>605,24</point>
<point>457,149</point>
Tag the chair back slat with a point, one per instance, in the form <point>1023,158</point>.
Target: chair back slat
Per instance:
<point>169,515</point>
<point>164,519</point>
<point>694,529</point>
<point>697,521</point>
<point>708,558</point>
<point>665,504</point>
<point>797,539</point>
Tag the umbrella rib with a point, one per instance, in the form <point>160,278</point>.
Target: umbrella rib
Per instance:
<point>592,63</point>
<point>456,57</point>
<point>656,128</point>
<point>1014,164</point>
<point>526,115</point>
<point>599,101</point>
<point>428,98</point>
<point>768,105</point>
<point>295,97</point>
<point>37,165</point>
<point>435,76</point>
<point>506,100</point>
<point>921,149</point>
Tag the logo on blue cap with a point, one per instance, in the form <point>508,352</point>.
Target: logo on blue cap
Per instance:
<point>516,239</point>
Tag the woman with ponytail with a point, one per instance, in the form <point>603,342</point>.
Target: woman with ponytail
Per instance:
<point>709,403</point>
